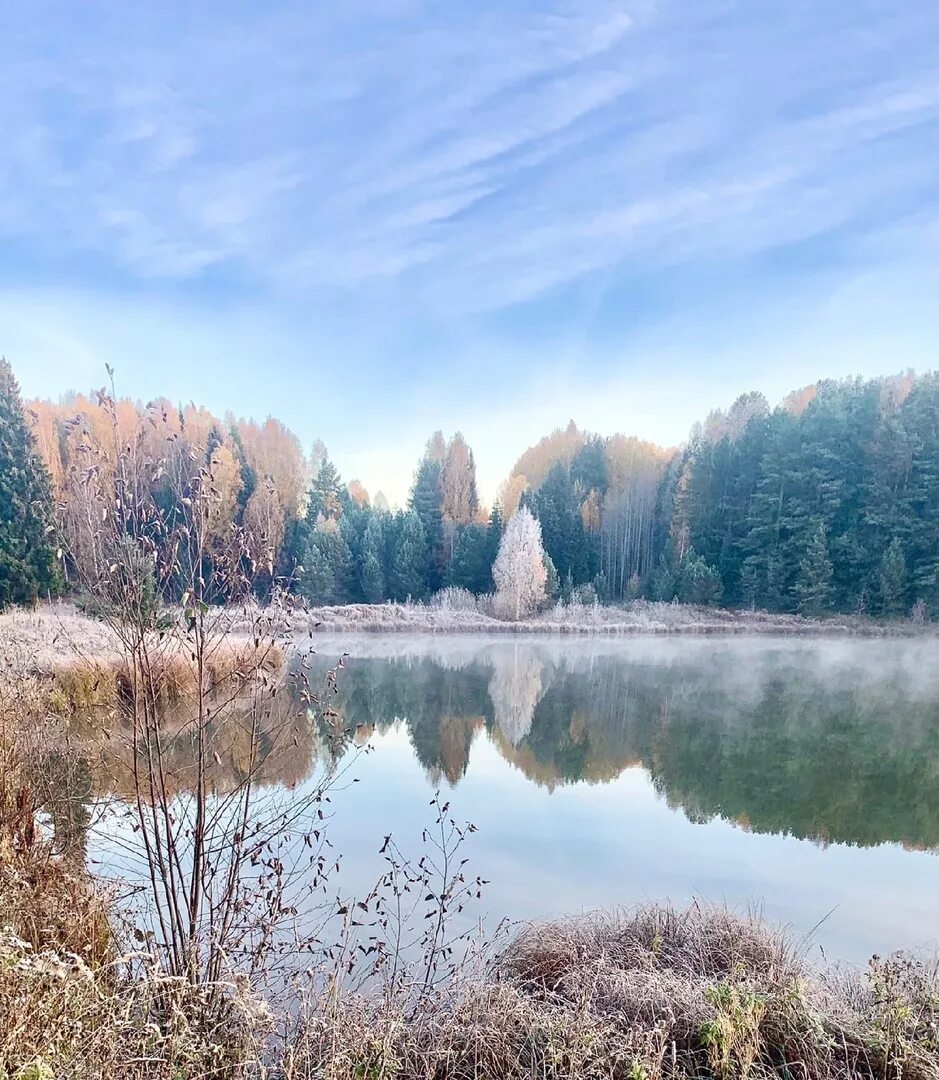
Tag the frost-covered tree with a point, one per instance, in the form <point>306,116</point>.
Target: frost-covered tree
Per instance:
<point>519,571</point>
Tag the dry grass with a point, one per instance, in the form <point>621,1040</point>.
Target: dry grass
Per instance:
<point>82,687</point>
<point>638,617</point>
<point>641,995</point>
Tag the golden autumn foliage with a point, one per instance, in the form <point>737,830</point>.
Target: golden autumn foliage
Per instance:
<point>358,493</point>
<point>86,441</point>
<point>560,446</point>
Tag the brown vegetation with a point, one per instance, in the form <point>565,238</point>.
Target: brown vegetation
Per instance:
<point>654,993</point>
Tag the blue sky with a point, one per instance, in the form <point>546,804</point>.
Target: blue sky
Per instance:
<point>375,218</point>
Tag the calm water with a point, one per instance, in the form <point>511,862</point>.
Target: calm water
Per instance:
<point>801,777</point>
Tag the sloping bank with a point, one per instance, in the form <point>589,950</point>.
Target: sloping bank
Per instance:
<point>640,617</point>
<point>654,994</point>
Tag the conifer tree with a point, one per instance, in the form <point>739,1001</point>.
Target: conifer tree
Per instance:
<point>27,559</point>
<point>813,586</point>
<point>893,579</point>
<point>372,574</point>
<point>426,502</point>
<point>409,568</point>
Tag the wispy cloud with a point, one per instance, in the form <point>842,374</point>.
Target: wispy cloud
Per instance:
<point>472,154</point>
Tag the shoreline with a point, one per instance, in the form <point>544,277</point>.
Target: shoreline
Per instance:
<point>38,640</point>
<point>640,619</point>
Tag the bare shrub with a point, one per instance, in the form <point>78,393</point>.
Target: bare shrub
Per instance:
<point>454,598</point>
<point>653,993</point>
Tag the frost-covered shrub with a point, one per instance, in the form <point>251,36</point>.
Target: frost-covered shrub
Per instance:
<point>454,598</point>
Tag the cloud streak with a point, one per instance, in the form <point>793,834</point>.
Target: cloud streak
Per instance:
<point>468,155</point>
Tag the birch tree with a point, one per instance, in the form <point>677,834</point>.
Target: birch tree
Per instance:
<point>519,571</point>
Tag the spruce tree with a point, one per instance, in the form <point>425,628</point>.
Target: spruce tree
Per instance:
<point>893,579</point>
<point>325,567</point>
<point>372,572</point>
<point>426,502</point>
<point>409,568</point>
<point>813,587</point>
<point>27,559</point>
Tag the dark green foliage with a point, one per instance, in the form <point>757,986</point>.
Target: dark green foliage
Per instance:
<point>589,468</point>
<point>426,501</point>
<point>557,507</point>
<point>552,586</point>
<point>27,559</point>
<point>471,567</point>
<point>833,509</point>
<point>410,564</point>
<point>326,567</point>
<point>813,585</point>
<point>249,478</point>
<point>372,562</point>
<point>700,582</point>
<point>893,580</point>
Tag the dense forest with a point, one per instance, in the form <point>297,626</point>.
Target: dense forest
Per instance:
<point>827,503</point>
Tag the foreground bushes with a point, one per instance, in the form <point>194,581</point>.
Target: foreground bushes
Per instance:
<point>633,996</point>
<point>654,993</point>
<point>641,995</point>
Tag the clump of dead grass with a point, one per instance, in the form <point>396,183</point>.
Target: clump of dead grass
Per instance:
<point>653,994</point>
<point>86,687</point>
<point>62,1017</point>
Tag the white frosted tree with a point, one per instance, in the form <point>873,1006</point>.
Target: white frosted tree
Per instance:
<point>519,570</point>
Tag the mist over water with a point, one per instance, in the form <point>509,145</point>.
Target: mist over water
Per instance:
<point>797,776</point>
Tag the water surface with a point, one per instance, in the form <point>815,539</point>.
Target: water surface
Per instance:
<point>800,777</point>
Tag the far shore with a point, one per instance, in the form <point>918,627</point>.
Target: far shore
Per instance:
<point>40,638</point>
<point>637,618</point>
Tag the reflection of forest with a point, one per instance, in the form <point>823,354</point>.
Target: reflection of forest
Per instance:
<point>275,743</point>
<point>776,744</point>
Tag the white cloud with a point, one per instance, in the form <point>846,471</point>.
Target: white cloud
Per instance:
<point>480,153</point>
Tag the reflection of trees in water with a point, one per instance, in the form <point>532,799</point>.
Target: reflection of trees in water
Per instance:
<point>100,761</point>
<point>515,689</point>
<point>829,754</point>
<point>66,785</point>
<point>776,746</point>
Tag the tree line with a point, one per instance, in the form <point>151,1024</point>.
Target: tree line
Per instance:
<point>827,503</point>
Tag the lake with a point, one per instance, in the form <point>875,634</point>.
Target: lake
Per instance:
<point>799,777</point>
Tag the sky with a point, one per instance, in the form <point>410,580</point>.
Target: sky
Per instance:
<point>376,218</point>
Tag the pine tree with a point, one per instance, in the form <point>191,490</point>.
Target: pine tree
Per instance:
<point>27,560</point>
<point>426,501</point>
<point>813,587</point>
<point>409,568</point>
<point>893,579</point>
<point>326,566</point>
<point>700,581</point>
<point>372,574</point>
<point>326,491</point>
<point>470,567</point>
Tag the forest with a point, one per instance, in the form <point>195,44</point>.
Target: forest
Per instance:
<point>828,502</point>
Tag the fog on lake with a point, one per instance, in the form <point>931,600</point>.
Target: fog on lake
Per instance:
<point>794,776</point>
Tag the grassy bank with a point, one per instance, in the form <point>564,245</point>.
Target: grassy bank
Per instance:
<point>637,618</point>
<point>654,994</point>
<point>43,640</point>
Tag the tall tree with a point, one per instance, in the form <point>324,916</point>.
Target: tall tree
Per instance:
<point>519,572</point>
<point>27,560</point>
<point>409,571</point>
<point>813,586</point>
<point>426,501</point>
<point>893,579</point>
<point>372,569</point>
